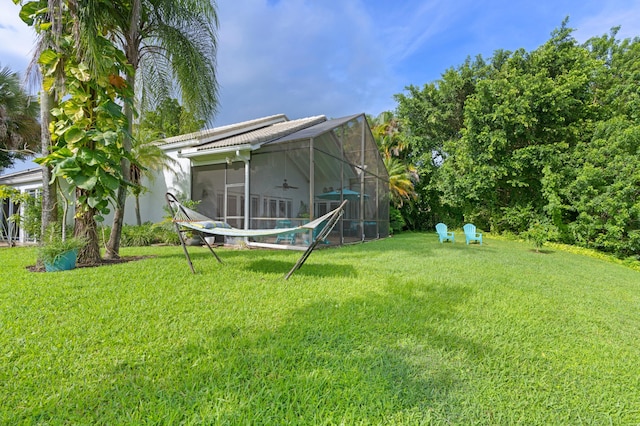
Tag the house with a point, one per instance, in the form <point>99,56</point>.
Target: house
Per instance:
<point>29,181</point>
<point>272,172</point>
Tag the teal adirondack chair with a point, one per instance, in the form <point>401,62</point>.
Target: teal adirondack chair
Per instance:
<point>443,235</point>
<point>470,233</point>
<point>288,237</point>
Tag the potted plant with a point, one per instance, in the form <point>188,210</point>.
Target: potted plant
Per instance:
<point>60,254</point>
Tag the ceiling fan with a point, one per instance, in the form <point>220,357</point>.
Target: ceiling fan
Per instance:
<point>286,186</point>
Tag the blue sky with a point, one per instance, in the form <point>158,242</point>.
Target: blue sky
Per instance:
<point>341,57</point>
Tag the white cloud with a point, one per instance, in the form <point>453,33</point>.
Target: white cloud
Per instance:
<point>611,14</point>
<point>299,58</point>
<point>16,38</point>
<point>339,57</point>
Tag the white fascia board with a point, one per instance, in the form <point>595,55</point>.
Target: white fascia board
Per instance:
<point>194,152</point>
<point>181,144</point>
<point>22,177</point>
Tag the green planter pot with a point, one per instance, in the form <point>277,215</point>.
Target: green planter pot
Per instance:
<point>62,262</point>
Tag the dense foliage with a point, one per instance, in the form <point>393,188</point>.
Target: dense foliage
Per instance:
<point>19,127</point>
<point>170,119</point>
<point>92,55</point>
<point>550,136</point>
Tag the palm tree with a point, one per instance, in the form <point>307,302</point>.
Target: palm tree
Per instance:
<point>151,159</point>
<point>168,44</point>
<point>166,40</point>
<point>401,180</point>
<point>387,132</point>
<point>71,38</point>
<point>19,127</point>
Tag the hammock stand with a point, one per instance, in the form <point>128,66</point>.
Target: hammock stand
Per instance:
<point>188,220</point>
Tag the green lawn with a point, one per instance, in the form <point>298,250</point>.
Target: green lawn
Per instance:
<point>399,331</point>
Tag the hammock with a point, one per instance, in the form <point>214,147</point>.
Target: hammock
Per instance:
<point>186,219</point>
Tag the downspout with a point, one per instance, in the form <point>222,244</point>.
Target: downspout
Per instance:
<point>342,183</point>
<point>312,182</point>
<point>362,170</point>
<point>247,199</point>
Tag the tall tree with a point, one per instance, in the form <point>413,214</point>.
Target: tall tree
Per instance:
<point>170,118</point>
<point>169,44</point>
<point>433,116</point>
<point>387,132</point>
<point>524,119</point>
<point>88,120</point>
<point>602,195</point>
<point>19,127</point>
<point>549,136</point>
<point>150,159</point>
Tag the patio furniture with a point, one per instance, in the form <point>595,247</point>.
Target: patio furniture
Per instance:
<point>443,234</point>
<point>289,237</point>
<point>471,234</point>
<point>187,220</point>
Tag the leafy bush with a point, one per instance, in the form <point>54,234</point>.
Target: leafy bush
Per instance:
<point>55,246</point>
<point>166,234</point>
<point>396,221</point>
<point>540,232</point>
<point>143,235</point>
<point>137,236</point>
<point>516,219</point>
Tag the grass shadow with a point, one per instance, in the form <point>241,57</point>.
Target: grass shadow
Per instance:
<point>369,359</point>
<point>542,251</point>
<point>324,270</point>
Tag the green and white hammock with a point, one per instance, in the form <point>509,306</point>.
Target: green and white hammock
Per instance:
<point>186,219</point>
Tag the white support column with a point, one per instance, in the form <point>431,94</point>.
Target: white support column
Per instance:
<point>247,197</point>
<point>312,182</point>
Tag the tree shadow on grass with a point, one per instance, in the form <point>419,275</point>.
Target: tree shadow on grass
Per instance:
<point>542,251</point>
<point>323,270</point>
<point>371,359</point>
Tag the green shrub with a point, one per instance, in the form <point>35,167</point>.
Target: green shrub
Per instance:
<point>137,236</point>
<point>396,221</point>
<point>166,234</point>
<point>516,219</point>
<point>55,246</point>
<point>540,232</point>
<point>142,235</point>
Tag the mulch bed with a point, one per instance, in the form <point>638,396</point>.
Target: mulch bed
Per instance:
<point>103,262</point>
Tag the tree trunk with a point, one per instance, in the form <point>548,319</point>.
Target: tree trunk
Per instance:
<point>133,56</point>
<point>86,227</point>
<point>138,218</point>
<point>113,245</point>
<point>49,193</point>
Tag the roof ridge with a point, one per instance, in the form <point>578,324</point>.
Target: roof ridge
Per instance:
<point>257,137</point>
<point>240,127</point>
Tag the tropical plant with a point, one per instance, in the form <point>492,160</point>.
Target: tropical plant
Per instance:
<point>87,147</point>
<point>168,41</point>
<point>392,144</point>
<point>19,127</point>
<point>401,179</point>
<point>10,224</point>
<point>55,246</point>
<point>170,45</point>
<point>150,159</point>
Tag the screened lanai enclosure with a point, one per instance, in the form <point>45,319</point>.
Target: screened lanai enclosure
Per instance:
<point>291,172</point>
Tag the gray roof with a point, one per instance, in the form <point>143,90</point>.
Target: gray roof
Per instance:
<point>316,130</point>
<point>222,132</point>
<point>261,135</point>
